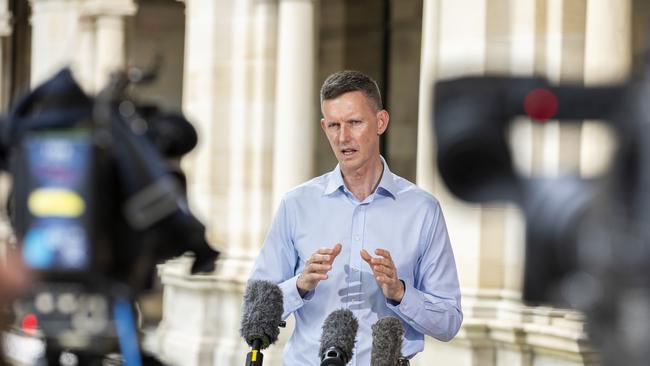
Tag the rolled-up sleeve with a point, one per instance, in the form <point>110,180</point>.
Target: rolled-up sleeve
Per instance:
<point>431,304</point>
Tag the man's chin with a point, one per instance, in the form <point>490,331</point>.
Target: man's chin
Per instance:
<point>348,164</point>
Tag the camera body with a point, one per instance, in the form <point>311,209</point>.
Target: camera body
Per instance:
<point>61,215</point>
<point>587,239</point>
<point>95,207</point>
<point>55,204</point>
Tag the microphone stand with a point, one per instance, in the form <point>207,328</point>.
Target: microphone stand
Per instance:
<point>255,356</point>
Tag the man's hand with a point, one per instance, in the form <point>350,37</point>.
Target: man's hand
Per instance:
<point>14,277</point>
<point>385,273</point>
<point>316,268</point>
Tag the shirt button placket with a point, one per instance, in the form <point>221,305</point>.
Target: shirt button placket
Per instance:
<point>357,230</point>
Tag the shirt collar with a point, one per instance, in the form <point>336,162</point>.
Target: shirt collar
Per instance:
<point>386,183</point>
<point>335,181</point>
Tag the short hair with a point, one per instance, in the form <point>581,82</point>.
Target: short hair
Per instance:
<point>347,81</point>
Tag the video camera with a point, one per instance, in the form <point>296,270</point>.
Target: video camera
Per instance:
<point>95,207</point>
<point>587,239</point>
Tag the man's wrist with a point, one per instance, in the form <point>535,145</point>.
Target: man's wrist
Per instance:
<point>400,296</point>
<point>301,292</point>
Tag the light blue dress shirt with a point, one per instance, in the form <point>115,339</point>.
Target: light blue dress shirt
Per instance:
<point>399,217</point>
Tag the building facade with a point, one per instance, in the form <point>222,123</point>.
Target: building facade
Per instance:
<point>247,74</point>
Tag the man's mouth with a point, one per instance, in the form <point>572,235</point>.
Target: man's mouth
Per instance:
<point>348,152</point>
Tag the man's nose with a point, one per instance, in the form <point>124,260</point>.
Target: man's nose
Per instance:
<point>344,134</point>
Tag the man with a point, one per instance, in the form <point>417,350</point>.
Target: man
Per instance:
<point>361,238</point>
<point>14,279</point>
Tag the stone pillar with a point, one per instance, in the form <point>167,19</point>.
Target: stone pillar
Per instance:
<point>54,31</point>
<point>461,35</point>
<point>426,172</point>
<point>102,40</point>
<point>229,94</point>
<point>524,23</point>
<point>293,150</point>
<point>87,35</point>
<point>504,37</point>
<point>565,52</point>
<point>608,59</point>
<point>110,47</point>
<point>5,19</point>
<point>85,70</point>
<point>455,43</point>
<point>6,29</point>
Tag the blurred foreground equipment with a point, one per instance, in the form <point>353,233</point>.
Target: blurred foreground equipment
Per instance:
<point>587,240</point>
<point>95,207</point>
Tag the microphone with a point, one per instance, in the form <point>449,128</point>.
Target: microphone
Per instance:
<point>386,342</point>
<point>261,318</point>
<point>337,340</point>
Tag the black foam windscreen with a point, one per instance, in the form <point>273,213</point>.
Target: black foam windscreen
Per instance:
<point>339,331</point>
<point>261,313</point>
<point>386,342</point>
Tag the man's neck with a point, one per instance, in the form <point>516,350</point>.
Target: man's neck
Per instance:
<point>362,182</point>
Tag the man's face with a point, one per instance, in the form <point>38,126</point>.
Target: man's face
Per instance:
<point>353,128</point>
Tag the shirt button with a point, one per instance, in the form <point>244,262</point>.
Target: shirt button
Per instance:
<point>354,269</point>
<point>357,237</point>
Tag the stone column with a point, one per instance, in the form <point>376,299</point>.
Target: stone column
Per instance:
<point>6,29</point>
<point>608,59</point>
<point>461,34</point>
<point>438,41</point>
<point>426,172</point>
<point>454,44</point>
<point>102,40</point>
<point>524,24</point>
<point>293,150</point>
<point>504,37</point>
<point>229,94</point>
<point>565,52</point>
<point>54,32</point>
<point>110,47</point>
<point>85,70</point>
<point>87,35</point>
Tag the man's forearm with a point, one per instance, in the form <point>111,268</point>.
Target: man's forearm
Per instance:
<point>293,300</point>
<point>438,318</point>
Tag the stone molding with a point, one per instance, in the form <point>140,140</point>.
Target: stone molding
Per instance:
<point>91,7</point>
<point>230,274</point>
<point>496,323</point>
<point>208,336</point>
<point>98,8</point>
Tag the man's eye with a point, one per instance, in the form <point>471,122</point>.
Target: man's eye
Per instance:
<point>333,125</point>
<point>355,122</point>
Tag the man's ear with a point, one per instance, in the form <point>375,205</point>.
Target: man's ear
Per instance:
<point>322,124</point>
<point>382,121</point>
